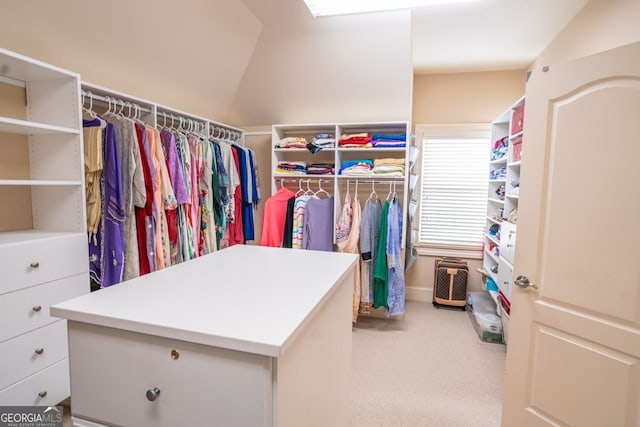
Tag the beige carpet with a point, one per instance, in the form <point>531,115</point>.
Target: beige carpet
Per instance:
<point>429,369</point>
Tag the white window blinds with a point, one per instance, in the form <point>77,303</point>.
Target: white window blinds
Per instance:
<point>454,190</point>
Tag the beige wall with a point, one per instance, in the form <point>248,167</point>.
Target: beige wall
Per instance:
<point>338,69</point>
<point>261,145</point>
<point>188,55</point>
<point>458,98</point>
<point>601,25</point>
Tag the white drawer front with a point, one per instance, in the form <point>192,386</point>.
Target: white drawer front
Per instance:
<point>27,354</point>
<point>33,262</point>
<point>112,370</point>
<point>505,277</point>
<point>507,240</point>
<point>46,388</point>
<point>28,309</point>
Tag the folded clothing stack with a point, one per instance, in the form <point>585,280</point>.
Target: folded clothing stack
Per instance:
<point>498,173</point>
<point>500,148</point>
<point>324,140</point>
<point>382,140</point>
<point>389,167</point>
<point>355,140</point>
<point>292,168</point>
<point>320,169</point>
<point>357,168</point>
<point>293,142</point>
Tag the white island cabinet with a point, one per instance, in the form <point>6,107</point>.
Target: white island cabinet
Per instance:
<point>247,336</point>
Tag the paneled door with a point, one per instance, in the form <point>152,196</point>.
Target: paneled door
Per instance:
<point>573,357</point>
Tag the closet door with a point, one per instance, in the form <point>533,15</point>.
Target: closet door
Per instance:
<point>574,352</point>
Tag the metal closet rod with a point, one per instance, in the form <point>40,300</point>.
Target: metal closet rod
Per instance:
<point>113,99</point>
<point>301,179</point>
<point>372,181</point>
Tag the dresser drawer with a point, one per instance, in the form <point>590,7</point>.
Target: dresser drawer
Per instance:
<point>28,353</point>
<point>32,262</point>
<point>46,388</point>
<point>199,385</point>
<point>507,241</point>
<point>27,309</point>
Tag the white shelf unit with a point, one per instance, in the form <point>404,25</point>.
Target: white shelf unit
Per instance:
<point>499,265</point>
<point>43,251</point>
<point>336,182</point>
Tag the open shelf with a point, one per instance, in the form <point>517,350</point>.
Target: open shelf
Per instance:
<point>497,201</point>
<point>492,256</point>
<point>493,239</point>
<point>499,161</point>
<point>516,135</point>
<point>25,127</point>
<point>493,220</point>
<point>38,182</point>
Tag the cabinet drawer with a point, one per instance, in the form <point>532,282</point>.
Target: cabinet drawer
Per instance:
<point>112,370</point>
<point>32,262</point>
<point>505,277</point>
<point>27,309</point>
<point>507,241</point>
<point>28,353</point>
<point>46,388</point>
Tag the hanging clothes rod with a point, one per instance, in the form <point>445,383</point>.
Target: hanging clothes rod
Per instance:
<point>113,100</point>
<point>304,179</point>
<point>373,181</point>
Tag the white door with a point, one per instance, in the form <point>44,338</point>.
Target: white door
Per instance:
<point>574,343</point>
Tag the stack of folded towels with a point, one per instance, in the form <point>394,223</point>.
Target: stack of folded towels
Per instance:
<point>357,168</point>
<point>324,140</point>
<point>355,140</point>
<point>388,167</point>
<point>320,169</point>
<point>381,140</point>
<point>293,142</point>
<point>292,168</point>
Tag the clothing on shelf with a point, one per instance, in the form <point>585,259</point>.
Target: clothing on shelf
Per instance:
<point>324,140</point>
<point>381,140</point>
<point>357,168</point>
<point>293,142</point>
<point>355,140</point>
<point>292,168</point>
<point>320,169</point>
<point>389,167</point>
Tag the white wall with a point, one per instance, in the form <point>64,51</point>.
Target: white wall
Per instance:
<point>188,55</point>
<point>337,69</point>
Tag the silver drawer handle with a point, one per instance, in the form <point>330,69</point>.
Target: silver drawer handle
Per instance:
<point>34,264</point>
<point>509,246</point>
<point>39,350</point>
<point>152,394</point>
<point>43,394</point>
<point>37,308</point>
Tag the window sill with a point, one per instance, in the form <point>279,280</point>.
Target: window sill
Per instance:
<point>457,253</point>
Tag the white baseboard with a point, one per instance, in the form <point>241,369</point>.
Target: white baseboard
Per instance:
<point>418,294</point>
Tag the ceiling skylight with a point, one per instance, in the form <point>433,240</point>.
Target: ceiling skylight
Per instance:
<point>343,7</point>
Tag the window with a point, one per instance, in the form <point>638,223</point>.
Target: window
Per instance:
<point>454,175</point>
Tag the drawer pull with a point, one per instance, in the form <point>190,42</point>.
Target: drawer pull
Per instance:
<point>34,264</point>
<point>39,351</point>
<point>152,394</point>
<point>175,354</point>
<point>43,394</point>
<point>37,308</point>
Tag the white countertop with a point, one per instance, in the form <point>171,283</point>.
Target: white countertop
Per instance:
<point>245,298</point>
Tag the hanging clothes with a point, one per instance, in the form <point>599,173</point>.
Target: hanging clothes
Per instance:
<point>143,213</point>
<point>351,245</point>
<point>396,285</point>
<point>380,277</point>
<point>318,225</point>
<point>287,241</point>
<point>343,226</point>
<point>273,219</point>
<point>236,231</point>
<point>298,221</point>
<point>369,236</point>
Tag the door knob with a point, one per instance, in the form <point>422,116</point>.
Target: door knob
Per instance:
<point>34,264</point>
<point>152,394</point>
<point>523,282</point>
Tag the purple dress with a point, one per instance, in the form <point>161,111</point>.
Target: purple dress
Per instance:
<point>107,253</point>
<point>318,225</point>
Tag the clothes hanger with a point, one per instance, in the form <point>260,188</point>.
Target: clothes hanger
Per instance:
<point>300,191</point>
<point>321,190</point>
<point>390,193</point>
<point>309,191</point>
<point>373,192</point>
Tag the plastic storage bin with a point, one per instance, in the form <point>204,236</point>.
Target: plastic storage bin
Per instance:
<point>484,318</point>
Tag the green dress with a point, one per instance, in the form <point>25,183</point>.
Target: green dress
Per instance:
<point>381,289</point>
